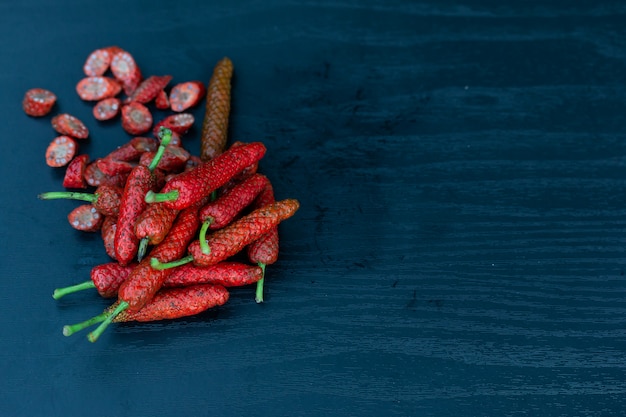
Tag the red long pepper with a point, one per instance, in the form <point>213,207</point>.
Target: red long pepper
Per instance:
<point>106,278</point>
<point>264,250</point>
<point>222,211</point>
<point>153,225</point>
<point>139,182</point>
<point>167,304</point>
<point>228,274</point>
<point>189,187</point>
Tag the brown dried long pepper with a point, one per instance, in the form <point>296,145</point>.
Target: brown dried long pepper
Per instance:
<point>215,124</point>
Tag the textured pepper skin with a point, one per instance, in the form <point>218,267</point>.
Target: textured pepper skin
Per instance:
<point>108,277</point>
<point>108,199</point>
<point>138,288</point>
<point>265,249</point>
<point>112,167</point>
<point>228,274</point>
<point>149,88</point>
<point>175,303</point>
<point>178,123</point>
<point>196,184</point>
<point>108,235</point>
<point>133,149</point>
<point>162,101</point>
<point>215,123</point>
<point>95,177</point>
<point>247,172</point>
<point>174,158</point>
<point>75,171</point>
<point>181,233</point>
<point>132,204</point>
<point>230,240</point>
<point>223,210</point>
<point>155,222</point>
<point>144,281</point>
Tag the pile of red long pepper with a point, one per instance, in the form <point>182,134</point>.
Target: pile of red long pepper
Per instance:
<point>172,222</point>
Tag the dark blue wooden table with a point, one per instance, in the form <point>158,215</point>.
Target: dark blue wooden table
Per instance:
<point>460,244</point>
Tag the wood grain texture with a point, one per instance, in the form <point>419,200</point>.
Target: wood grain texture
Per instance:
<point>459,246</point>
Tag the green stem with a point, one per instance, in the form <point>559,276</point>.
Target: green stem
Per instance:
<point>69,330</point>
<point>165,135</point>
<point>156,264</point>
<point>143,248</point>
<point>72,195</point>
<point>93,336</point>
<point>60,292</point>
<point>213,195</point>
<point>152,197</point>
<point>259,285</point>
<point>204,246</point>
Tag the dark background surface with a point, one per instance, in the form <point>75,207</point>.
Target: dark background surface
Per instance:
<point>459,247</point>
